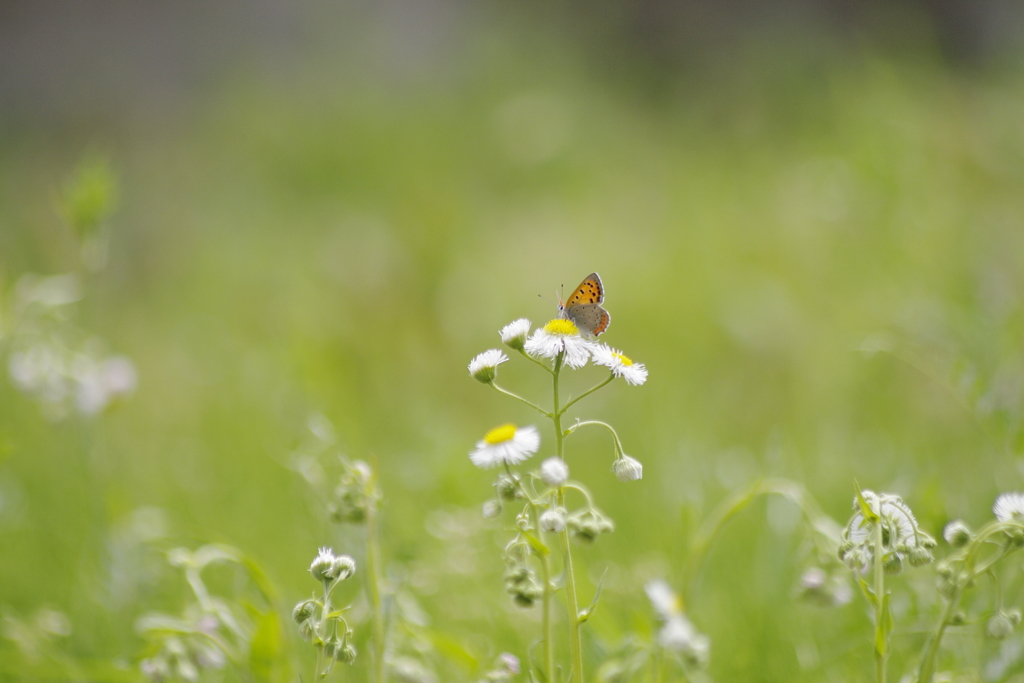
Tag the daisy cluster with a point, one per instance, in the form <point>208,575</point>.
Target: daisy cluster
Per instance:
<point>558,337</point>
<point>512,445</point>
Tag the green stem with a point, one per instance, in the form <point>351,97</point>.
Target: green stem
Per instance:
<point>598,423</point>
<point>530,358</point>
<point>588,392</point>
<point>575,642</point>
<point>373,584</point>
<point>321,634</point>
<point>881,606</point>
<point>520,398</point>
<point>556,414</point>
<point>728,509</point>
<point>927,668</point>
<point>545,566</point>
<point>924,674</point>
<point>549,650</point>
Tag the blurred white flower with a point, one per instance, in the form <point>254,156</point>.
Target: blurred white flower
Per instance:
<point>1009,507</point>
<point>664,600</point>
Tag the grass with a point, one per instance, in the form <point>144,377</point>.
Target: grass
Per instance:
<point>818,258</point>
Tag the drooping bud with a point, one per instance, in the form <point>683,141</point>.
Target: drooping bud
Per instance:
<point>628,469</point>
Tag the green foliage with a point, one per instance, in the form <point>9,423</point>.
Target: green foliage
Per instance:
<point>819,260</point>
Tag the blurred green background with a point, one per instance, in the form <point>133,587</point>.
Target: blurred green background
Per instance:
<point>809,220</point>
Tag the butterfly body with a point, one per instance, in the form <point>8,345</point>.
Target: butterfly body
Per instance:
<point>583,307</point>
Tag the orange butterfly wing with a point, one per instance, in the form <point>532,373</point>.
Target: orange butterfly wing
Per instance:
<point>590,291</point>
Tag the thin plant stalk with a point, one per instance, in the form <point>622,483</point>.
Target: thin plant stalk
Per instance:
<point>731,507</point>
<point>549,646</point>
<point>545,564</point>
<point>575,642</point>
<point>321,634</point>
<point>881,606</point>
<point>927,668</point>
<point>373,585</point>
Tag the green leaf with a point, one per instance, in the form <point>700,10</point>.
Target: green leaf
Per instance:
<point>865,588</point>
<point>537,545</point>
<point>589,611</point>
<point>451,648</point>
<point>266,659</point>
<point>883,628</point>
<point>865,509</point>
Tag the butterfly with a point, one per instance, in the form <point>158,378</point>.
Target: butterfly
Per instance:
<point>583,307</point>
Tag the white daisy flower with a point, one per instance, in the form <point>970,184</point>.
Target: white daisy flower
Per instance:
<point>484,368</point>
<point>560,336</point>
<point>1009,507</point>
<point>505,444</point>
<point>664,600</point>
<point>620,365</point>
<point>514,334</point>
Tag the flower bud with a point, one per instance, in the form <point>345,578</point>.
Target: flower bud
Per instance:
<point>492,509</point>
<point>304,611</point>
<point>343,567</point>
<point>346,654</point>
<point>554,472</point>
<point>957,534</point>
<point>999,626</point>
<point>514,334</point>
<point>628,469</point>
<point>553,520</point>
<point>484,368</point>
<point>892,563</point>
<point>588,524</point>
<point>321,566</point>
<point>507,487</point>
<point>920,556</point>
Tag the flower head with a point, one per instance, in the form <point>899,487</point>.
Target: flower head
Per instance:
<point>957,534</point>
<point>514,334</point>
<point>1009,507</point>
<point>619,364</point>
<point>322,563</point>
<point>677,632</point>
<point>505,444</point>
<point>664,600</point>
<point>900,534</point>
<point>560,337</point>
<point>484,368</point>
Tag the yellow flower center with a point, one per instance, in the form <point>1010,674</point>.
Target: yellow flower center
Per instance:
<point>562,327</point>
<point>500,434</point>
<point>622,359</point>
